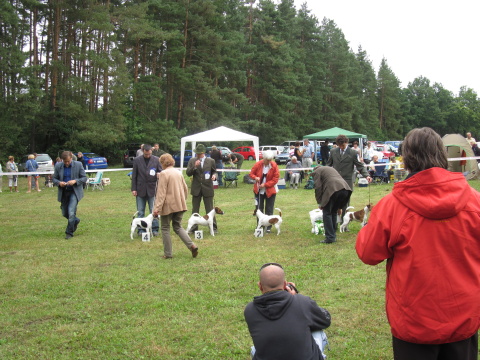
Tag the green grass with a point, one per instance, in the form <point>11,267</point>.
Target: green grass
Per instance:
<point>102,295</point>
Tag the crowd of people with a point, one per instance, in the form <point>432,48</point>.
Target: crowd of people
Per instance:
<point>425,229</point>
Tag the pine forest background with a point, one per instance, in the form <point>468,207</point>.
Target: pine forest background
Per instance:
<point>97,75</point>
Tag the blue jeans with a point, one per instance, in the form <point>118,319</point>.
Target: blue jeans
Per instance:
<point>69,210</point>
<point>141,204</point>
<point>320,339</point>
<point>219,165</point>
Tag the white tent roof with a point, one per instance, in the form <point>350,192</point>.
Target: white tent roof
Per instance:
<point>218,134</point>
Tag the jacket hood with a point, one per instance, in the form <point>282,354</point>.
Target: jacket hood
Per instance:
<point>273,305</point>
<point>434,193</point>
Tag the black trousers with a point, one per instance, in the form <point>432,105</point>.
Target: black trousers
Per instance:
<point>461,350</point>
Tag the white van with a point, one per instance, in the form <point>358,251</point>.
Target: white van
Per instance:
<point>274,148</point>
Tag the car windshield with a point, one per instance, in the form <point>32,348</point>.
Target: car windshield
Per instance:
<point>43,157</point>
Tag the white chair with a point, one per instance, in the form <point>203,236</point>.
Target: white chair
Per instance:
<point>97,182</point>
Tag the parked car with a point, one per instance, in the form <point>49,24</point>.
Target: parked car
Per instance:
<point>187,155</point>
<point>44,161</point>
<point>385,150</point>
<point>276,149</point>
<point>395,143</point>
<point>248,152</point>
<point>130,154</point>
<point>92,161</point>
<point>225,151</point>
<point>283,157</point>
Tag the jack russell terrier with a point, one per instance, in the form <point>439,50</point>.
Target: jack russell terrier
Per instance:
<point>269,220</point>
<point>206,220</point>
<point>316,215</point>
<point>142,223</point>
<point>360,215</point>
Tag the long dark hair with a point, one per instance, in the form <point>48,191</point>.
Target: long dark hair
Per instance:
<point>423,149</point>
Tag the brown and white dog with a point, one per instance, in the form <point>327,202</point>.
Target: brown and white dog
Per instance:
<point>269,220</point>
<point>360,215</point>
<point>206,220</point>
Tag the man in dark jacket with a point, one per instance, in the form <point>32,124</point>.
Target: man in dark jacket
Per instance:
<point>203,172</point>
<point>69,176</point>
<point>332,193</point>
<point>144,181</point>
<point>282,323</point>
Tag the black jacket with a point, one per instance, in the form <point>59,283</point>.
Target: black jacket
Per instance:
<point>281,325</point>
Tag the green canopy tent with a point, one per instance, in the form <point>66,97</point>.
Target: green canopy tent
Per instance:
<point>332,133</point>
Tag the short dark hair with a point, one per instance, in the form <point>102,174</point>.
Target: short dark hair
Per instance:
<point>341,139</point>
<point>66,154</point>
<point>147,147</point>
<point>423,149</point>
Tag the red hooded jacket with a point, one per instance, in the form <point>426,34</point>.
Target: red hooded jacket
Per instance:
<point>428,229</point>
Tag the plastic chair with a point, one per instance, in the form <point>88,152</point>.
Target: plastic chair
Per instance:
<point>380,176</point>
<point>230,178</point>
<point>97,182</point>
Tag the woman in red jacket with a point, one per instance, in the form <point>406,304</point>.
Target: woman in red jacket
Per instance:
<point>266,174</point>
<point>427,230</point>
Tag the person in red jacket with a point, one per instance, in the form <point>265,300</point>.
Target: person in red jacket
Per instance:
<point>266,174</point>
<point>427,230</point>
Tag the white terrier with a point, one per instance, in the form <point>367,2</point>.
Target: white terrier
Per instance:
<point>142,223</point>
<point>360,215</point>
<point>269,220</point>
<point>316,218</point>
<point>206,220</point>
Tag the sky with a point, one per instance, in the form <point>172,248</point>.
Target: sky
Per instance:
<point>439,40</point>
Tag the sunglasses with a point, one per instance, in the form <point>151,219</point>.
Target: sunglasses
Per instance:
<point>270,264</point>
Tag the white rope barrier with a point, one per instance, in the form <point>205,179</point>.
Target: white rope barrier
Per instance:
<point>221,170</point>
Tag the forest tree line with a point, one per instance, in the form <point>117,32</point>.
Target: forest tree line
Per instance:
<point>96,75</point>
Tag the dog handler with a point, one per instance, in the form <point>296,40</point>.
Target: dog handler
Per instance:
<point>204,172</point>
<point>170,204</point>
<point>69,176</point>
<point>427,229</point>
<point>265,173</point>
<point>332,193</point>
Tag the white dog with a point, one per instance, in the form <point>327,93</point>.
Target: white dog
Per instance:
<point>316,215</point>
<point>268,220</point>
<point>207,220</point>
<point>142,223</point>
<point>360,215</point>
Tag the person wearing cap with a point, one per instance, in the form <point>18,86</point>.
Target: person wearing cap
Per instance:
<point>284,324</point>
<point>266,174</point>
<point>204,172</point>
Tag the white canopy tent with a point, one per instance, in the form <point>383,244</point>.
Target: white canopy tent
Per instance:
<point>218,134</point>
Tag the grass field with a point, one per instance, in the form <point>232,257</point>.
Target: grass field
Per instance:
<point>101,295</point>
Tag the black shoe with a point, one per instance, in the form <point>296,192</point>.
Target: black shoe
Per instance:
<point>68,236</point>
<point>76,225</point>
<point>326,242</point>
<point>269,231</point>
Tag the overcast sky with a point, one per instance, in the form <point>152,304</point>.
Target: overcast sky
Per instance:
<point>439,40</point>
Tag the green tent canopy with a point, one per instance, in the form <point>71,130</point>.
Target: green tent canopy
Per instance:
<point>332,133</point>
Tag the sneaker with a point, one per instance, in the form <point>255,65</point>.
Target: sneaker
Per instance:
<point>68,236</point>
<point>326,242</point>
<point>268,231</point>
<point>155,233</point>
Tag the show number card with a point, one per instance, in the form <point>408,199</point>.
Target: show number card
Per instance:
<point>146,237</point>
<point>199,234</point>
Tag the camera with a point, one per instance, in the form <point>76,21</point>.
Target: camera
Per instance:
<point>291,286</point>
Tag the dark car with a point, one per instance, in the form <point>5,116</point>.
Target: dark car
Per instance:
<point>186,157</point>
<point>93,161</point>
<point>130,154</point>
